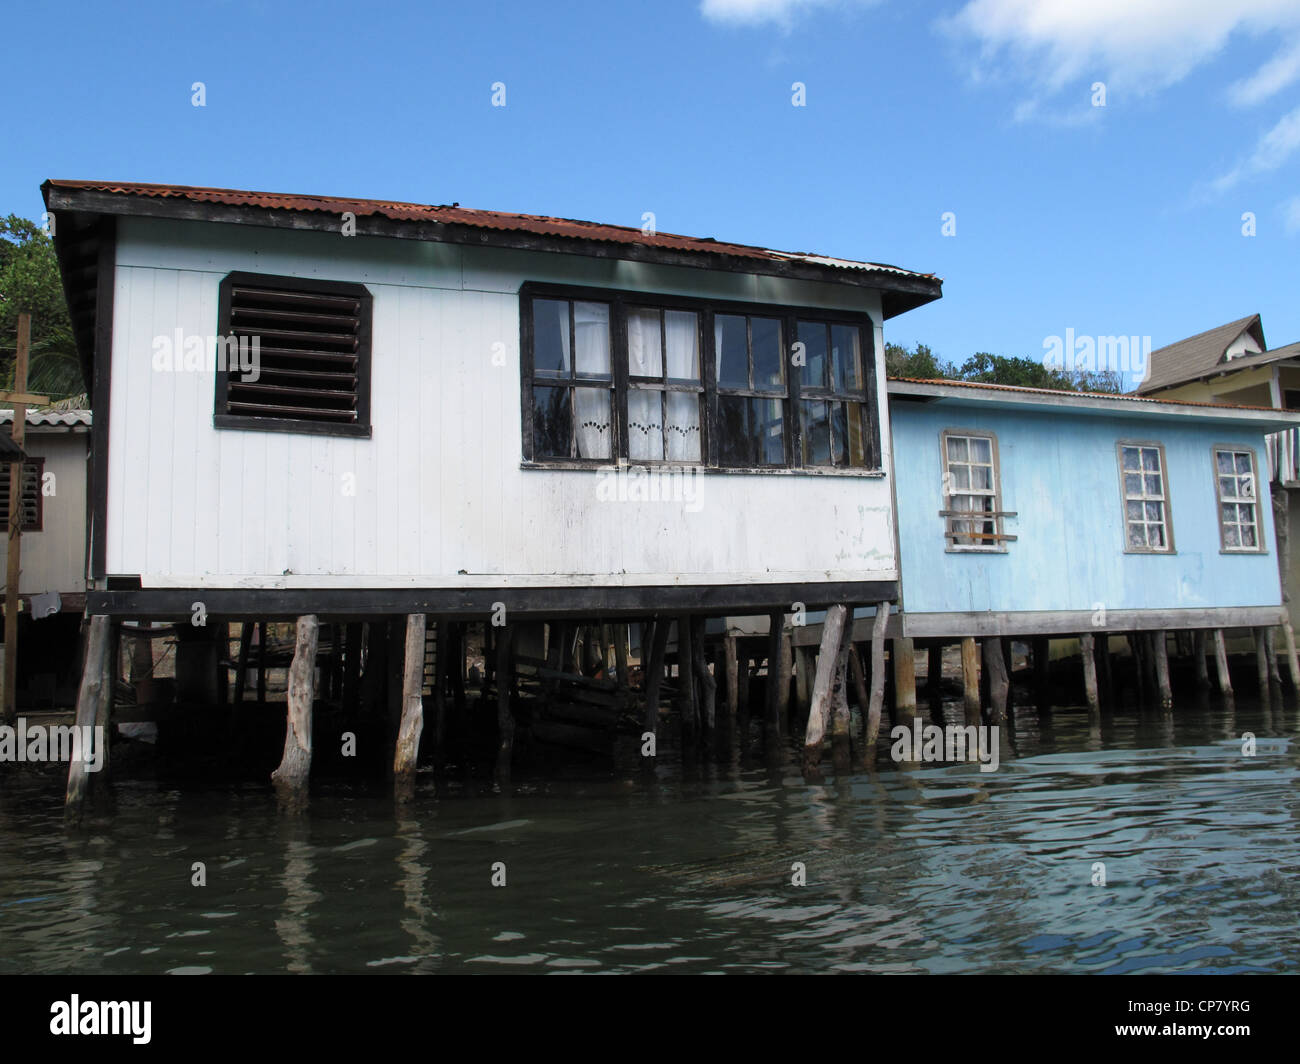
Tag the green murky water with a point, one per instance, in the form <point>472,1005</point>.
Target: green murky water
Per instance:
<point>940,868</point>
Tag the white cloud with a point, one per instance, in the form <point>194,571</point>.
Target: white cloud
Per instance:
<point>1271,150</point>
<point>1291,215</point>
<point>1271,78</point>
<point>1135,45</point>
<point>756,12</point>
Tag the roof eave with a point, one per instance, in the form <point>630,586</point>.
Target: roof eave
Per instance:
<point>1089,404</point>
<point>899,293</point>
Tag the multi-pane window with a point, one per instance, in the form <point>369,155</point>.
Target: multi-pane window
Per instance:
<point>752,390</point>
<point>1238,511</point>
<point>833,395</point>
<point>31,509</point>
<point>293,354</point>
<point>665,388</point>
<point>1146,498</point>
<point>610,375</point>
<point>971,491</point>
<point>573,380</point>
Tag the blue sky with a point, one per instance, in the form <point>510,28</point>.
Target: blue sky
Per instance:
<point>1122,219</point>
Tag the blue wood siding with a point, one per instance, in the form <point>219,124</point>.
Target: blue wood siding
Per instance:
<point>1059,473</point>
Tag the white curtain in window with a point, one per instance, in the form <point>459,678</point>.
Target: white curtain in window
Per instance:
<point>682,427</point>
<point>591,405</point>
<point>645,430</point>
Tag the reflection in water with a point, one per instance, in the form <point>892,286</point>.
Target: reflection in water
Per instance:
<point>931,868</point>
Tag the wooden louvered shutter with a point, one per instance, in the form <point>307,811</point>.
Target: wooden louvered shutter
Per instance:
<point>32,511</point>
<point>313,354</point>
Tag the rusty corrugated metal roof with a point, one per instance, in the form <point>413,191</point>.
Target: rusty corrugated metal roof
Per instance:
<point>454,214</point>
<point>1127,397</point>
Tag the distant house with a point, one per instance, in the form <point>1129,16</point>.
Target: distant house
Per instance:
<point>52,587</point>
<point>1029,511</point>
<point>1233,364</point>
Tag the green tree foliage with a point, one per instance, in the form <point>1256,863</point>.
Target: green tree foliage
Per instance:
<point>29,281</point>
<point>920,363</point>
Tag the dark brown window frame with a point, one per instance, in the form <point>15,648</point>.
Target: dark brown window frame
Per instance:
<point>620,300</point>
<point>37,465</point>
<point>361,427</point>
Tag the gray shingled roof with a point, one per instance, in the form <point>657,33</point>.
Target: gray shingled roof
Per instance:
<point>1201,355</point>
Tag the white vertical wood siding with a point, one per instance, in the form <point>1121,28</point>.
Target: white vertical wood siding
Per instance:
<point>441,499</point>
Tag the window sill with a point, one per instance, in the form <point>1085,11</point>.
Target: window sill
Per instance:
<point>976,550</point>
<point>311,428</point>
<point>1152,553</point>
<point>602,466</point>
<point>1248,551</point>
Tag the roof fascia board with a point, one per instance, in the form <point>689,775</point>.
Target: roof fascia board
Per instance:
<point>915,291</point>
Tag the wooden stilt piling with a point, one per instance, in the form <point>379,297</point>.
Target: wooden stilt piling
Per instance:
<point>1043,673</point>
<point>1160,646</point>
<point>1270,641</point>
<point>876,698</point>
<point>995,666</point>
<point>904,654</point>
<point>505,672</point>
<point>733,678</point>
<point>1105,671</point>
<point>1292,661</point>
<point>295,764</point>
<point>1261,661</point>
<point>1088,657</point>
<point>686,677</point>
<point>654,674</point>
<point>1221,663</point>
<point>970,674</point>
<point>407,751</point>
<point>819,711</point>
<point>708,685</point>
<point>93,701</point>
<point>1198,660</point>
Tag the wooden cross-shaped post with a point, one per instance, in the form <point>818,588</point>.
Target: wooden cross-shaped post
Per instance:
<point>20,399</point>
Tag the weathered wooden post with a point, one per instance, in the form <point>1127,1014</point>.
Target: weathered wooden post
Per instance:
<point>654,674</point>
<point>1043,673</point>
<point>622,636</point>
<point>996,667</point>
<point>1160,644</point>
<point>1198,659</point>
<point>94,699</point>
<point>505,674</point>
<point>970,674</point>
<point>407,752</point>
<point>708,685</point>
<point>295,764</point>
<point>733,678</point>
<point>1292,661</point>
<point>1221,663</point>
<point>877,697</point>
<point>1105,670</point>
<point>1270,641</point>
<point>934,678</point>
<point>904,678</point>
<point>859,679</point>
<point>841,747</point>
<point>1261,661</point>
<point>1088,657</point>
<point>819,711</point>
<point>686,677</point>
<point>779,661</point>
<point>803,673</point>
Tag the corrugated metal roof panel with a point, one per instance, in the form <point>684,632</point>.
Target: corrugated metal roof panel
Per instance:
<point>454,214</point>
<point>1127,397</point>
<point>49,417</point>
